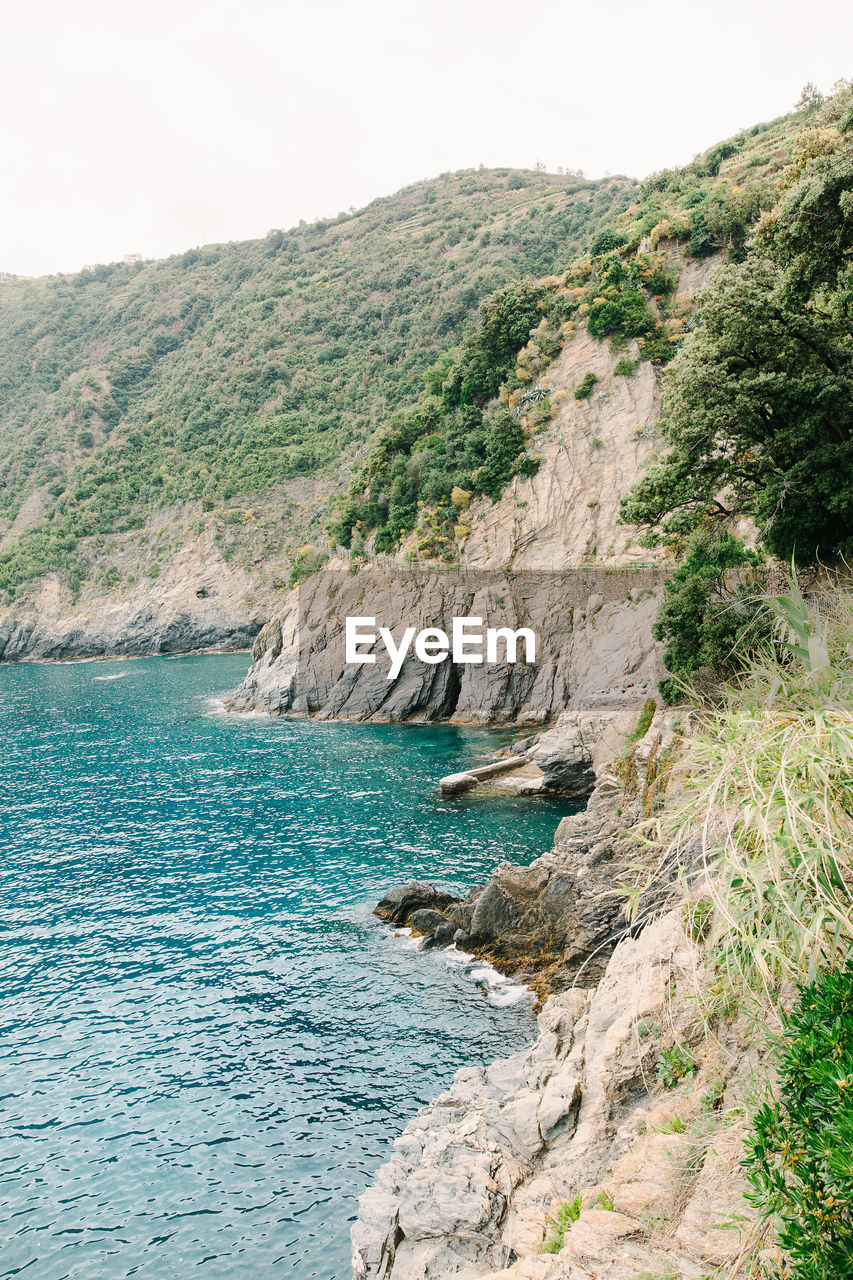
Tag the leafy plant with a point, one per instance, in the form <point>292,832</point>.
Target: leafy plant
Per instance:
<point>674,1125</point>
<point>799,1154</point>
<point>757,410</point>
<point>584,389</point>
<point>706,621</point>
<point>624,766</point>
<point>674,1065</point>
<point>568,1212</point>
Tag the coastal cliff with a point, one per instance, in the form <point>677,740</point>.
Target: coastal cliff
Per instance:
<point>593,630</point>
<point>198,601</point>
<point>180,589</point>
<point>551,545</point>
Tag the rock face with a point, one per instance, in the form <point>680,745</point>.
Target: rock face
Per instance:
<point>565,753</point>
<point>476,1174</point>
<point>398,906</point>
<point>199,602</point>
<point>592,452</point>
<point>556,921</point>
<point>593,630</point>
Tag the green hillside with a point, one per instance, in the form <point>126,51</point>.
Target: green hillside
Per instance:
<point>468,432</point>
<point>220,373</point>
<point>387,361</point>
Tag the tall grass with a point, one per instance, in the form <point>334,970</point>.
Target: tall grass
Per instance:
<point>771,783</point>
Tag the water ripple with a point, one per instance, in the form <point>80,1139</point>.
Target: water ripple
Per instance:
<point>207,1042</point>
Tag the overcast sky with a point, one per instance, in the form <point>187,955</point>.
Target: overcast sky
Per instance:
<point>156,127</point>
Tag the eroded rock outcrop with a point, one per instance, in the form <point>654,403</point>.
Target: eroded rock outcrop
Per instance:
<point>560,521</point>
<point>476,1175</point>
<point>594,646</point>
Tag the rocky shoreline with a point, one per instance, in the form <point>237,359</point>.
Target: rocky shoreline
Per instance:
<point>555,922</point>
<point>481,1176</point>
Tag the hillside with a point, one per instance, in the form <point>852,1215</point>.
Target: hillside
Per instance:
<point>231,370</point>
<point>467,373</point>
<point>486,405</point>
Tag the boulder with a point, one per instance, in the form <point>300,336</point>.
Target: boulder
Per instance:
<point>565,753</point>
<point>399,904</point>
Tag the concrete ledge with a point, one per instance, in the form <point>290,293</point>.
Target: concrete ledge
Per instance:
<point>456,782</point>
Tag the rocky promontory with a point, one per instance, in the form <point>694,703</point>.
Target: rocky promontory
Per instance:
<point>198,602</point>
<point>593,630</point>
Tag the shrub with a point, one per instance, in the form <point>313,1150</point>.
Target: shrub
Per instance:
<point>625,368</point>
<point>628,316</point>
<point>607,240</point>
<point>704,620</point>
<point>504,443</point>
<point>308,560</point>
<point>716,156</point>
<point>528,466</point>
<point>799,1154</point>
<point>568,1212</point>
<point>644,723</point>
<point>584,389</point>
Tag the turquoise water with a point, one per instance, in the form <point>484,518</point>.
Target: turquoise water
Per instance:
<point>207,1042</point>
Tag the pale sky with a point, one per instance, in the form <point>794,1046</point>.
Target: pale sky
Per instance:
<point>156,127</point>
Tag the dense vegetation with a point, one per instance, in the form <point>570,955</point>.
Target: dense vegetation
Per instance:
<point>468,433</point>
<point>800,1152</point>
<point>230,369</point>
<point>758,404</point>
<point>769,787</point>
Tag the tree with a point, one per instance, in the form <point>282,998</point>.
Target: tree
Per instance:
<point>810,98</point>
<point>703,619</point>
<point>758,411</point>
<point>758,405</point>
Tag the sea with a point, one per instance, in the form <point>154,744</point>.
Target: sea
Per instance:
<point>208,1042</point>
